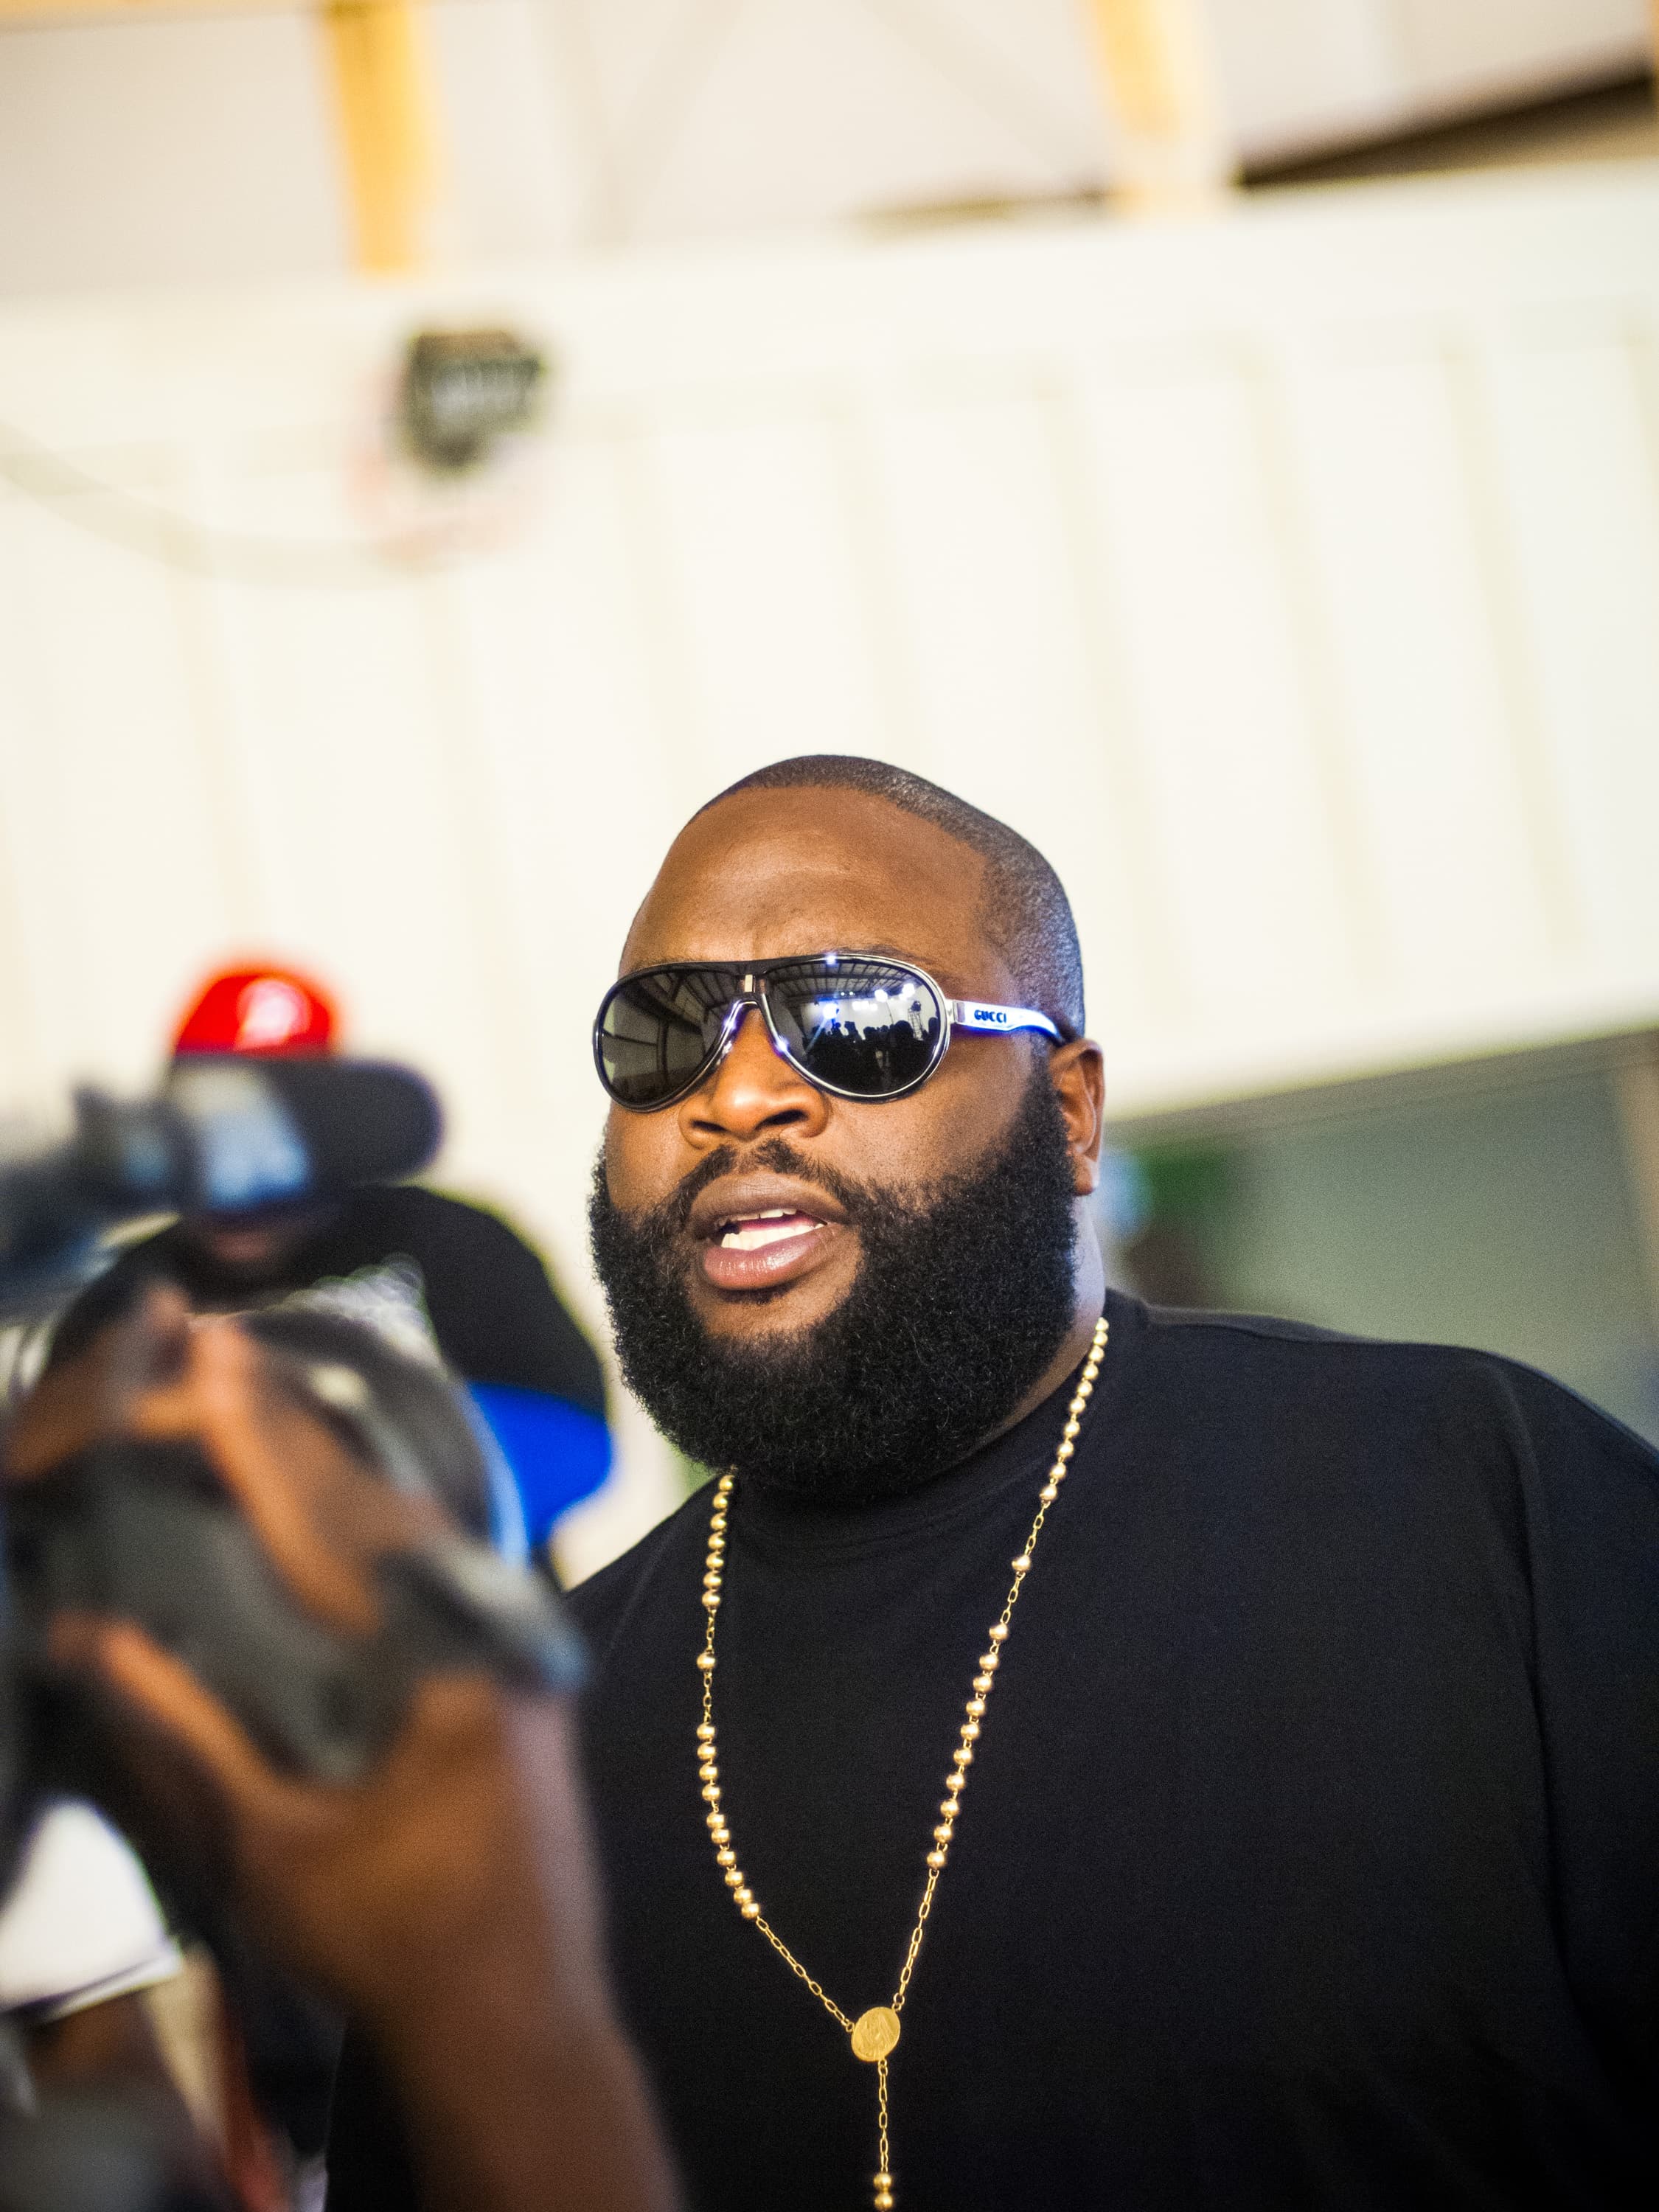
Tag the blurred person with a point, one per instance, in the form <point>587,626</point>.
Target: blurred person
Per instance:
<point>405,1256</point>
<point>439,1279</point>
<point>449,1899</point>
<point>1077,1754</point>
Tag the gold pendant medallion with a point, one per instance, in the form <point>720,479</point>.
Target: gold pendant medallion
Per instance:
<point>875,2032</point>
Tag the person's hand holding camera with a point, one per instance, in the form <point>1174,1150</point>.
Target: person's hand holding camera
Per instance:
<point>448,1901</point>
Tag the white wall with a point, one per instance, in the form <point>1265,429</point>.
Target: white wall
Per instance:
<point>201,149</point>
<point>1291,579</point>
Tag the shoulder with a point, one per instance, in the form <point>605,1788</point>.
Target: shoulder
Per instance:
<point>1285,1372</point>
<point>494,1308</point>
<point>410,1211</point>
<point>460,1248</point>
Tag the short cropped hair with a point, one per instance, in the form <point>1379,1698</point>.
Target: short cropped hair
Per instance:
<point>1026,913</point>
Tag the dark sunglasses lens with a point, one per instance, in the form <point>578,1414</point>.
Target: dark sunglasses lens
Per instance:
<point>659,1028</point>
<point>863,1026</point>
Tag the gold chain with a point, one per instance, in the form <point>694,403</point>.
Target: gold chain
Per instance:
<point>874,2033</point>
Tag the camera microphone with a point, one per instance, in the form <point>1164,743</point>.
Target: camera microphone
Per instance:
<point>250,1134</point>
<point>226,1134</point>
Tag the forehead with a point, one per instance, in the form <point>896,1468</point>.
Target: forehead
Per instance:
<point>771,872</point>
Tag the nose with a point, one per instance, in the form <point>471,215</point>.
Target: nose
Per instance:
<point>752,1092</point>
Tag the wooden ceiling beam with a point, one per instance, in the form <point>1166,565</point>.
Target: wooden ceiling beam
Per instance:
<point>1160,84</point>
<point>388,127</point>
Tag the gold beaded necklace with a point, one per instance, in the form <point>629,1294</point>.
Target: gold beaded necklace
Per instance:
<point>874,2033</point>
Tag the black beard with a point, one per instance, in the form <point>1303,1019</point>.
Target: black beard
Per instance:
<point>964,1295</point>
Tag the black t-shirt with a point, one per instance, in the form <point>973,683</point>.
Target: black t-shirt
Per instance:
<point>1310,1853</point>
<point>493,1312</point>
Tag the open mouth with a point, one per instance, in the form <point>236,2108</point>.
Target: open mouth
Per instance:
<point>751,1237</point>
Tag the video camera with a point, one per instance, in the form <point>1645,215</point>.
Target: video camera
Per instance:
<point>147,1531</point>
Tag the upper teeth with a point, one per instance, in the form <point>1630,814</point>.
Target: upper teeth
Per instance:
<point>750,1230</point>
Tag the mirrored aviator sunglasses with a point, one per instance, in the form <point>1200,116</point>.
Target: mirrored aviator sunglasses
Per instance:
<point>856,1024</point>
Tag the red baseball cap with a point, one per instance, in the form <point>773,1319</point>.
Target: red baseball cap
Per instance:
<point>261,1011</point>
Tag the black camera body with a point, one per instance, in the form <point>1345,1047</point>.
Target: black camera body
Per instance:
<point>147,1532</point>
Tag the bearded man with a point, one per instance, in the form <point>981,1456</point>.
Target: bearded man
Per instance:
<point>1072,1755</point>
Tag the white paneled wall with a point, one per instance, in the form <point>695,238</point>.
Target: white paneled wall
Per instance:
<point>1293,579</point>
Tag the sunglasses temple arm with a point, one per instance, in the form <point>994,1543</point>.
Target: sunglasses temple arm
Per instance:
<point>978,1014</point>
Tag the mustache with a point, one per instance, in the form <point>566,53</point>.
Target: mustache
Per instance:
<point>774,1155</point>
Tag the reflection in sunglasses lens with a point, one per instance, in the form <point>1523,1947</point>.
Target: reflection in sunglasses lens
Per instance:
<point>862,1026</point>
<point>659,1029</point>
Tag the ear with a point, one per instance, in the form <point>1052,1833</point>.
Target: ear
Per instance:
<point>1079,1075</point>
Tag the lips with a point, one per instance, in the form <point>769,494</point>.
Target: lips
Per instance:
<point>758,1233</point>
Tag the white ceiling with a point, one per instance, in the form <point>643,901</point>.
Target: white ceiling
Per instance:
<point>195,149</point>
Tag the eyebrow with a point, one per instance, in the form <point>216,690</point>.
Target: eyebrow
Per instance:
<point>880,951</point>
<point>943,971</point>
